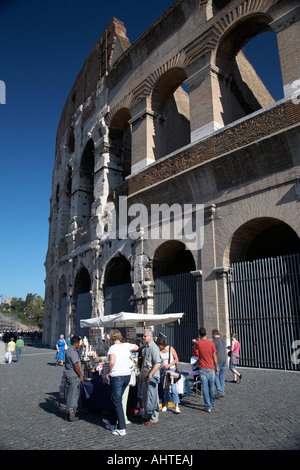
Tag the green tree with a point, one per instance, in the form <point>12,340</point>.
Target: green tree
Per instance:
<point>34,309</point>
<point>17,304</point>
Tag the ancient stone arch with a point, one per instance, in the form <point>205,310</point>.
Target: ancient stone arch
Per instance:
<point>263,237</point>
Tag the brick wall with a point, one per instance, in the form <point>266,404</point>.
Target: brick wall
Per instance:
<point>244,133</point>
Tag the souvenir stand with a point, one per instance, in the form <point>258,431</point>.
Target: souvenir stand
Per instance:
<point>95,388</point>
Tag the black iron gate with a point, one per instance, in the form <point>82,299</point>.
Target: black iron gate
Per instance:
<point>264,311</point>
<point>83,311</point>
<point>177,294</point>
<point>117,299</point>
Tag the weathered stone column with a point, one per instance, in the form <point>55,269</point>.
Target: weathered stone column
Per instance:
<point>223,312</point>
<point>287,28</point>
<point>205,103</point>
<point>142,129</point>
<point>199,295</point>
<point>209,284</point>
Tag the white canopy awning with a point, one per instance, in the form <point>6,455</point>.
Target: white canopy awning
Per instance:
<point>126,319</point>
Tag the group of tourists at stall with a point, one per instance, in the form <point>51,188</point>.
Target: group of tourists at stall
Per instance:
<point>154,375</point>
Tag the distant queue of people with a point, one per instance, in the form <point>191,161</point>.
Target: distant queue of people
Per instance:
<point>6,335</point>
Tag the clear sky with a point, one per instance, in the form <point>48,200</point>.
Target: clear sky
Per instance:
<point>43,46</point>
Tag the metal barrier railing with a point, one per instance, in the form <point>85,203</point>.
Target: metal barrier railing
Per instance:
<point>264,310</point>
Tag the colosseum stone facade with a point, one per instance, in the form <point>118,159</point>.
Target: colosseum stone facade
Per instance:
<point>180,118</point>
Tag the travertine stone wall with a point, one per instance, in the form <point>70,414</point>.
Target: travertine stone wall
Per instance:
<point>179,116</point>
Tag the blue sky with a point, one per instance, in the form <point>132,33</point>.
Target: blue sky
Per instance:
<point>43,46</point>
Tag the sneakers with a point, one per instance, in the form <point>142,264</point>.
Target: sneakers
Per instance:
<point>165,408</point>
<point>119,432</point>
<point>114,430</point>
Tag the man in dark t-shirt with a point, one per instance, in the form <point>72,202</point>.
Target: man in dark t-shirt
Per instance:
<point>208,367</point>
<point>221,348</point>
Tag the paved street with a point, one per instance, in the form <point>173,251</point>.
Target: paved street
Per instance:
<point>260,413</point>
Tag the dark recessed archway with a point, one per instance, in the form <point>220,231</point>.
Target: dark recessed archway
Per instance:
<point>263,238</point>
<point>120,144</point>
<point>171,258</point>
<point>117,272</point>
<point>171,106</point>
<point>82,282</point>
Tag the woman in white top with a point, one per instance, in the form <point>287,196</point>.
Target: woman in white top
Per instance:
<point>168,360</point>
<point>119,372</point>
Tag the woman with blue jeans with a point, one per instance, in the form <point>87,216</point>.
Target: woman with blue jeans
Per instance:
<point>119,372</point>
<point>168,360</point>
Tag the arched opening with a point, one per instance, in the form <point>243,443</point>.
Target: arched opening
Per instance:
<point>120,147</point>
<point>57,196</point>
<point>69,182</point>
<point>62,306</point>
<point>82,282</point>
<point>172,258</point>
<point>241,52</point>
<point>83,300</point>
<point>117,272</point>
<point>117,286</point>
<point>86,189</point>
<point>217,5</point>
<point>71,141</point>
<point>261,238</point>
<point>65,206</point>
<point>171,105</point>
<point>55,214</point>
<point>175,292</point>
<point>262,52</point>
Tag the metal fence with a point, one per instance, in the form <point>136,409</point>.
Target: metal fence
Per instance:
<point>177,294</point>
<point>264,310</point>
<point>117,299</point>
<point>83,311</point>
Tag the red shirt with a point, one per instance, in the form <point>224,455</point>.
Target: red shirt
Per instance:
<point>206,349</point>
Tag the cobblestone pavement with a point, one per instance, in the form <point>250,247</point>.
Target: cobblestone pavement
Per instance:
<point>260,413</point>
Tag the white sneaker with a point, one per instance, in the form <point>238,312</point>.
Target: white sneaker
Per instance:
<point>164,408</point>
<point>119,432</point>
<point>177,410</point>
